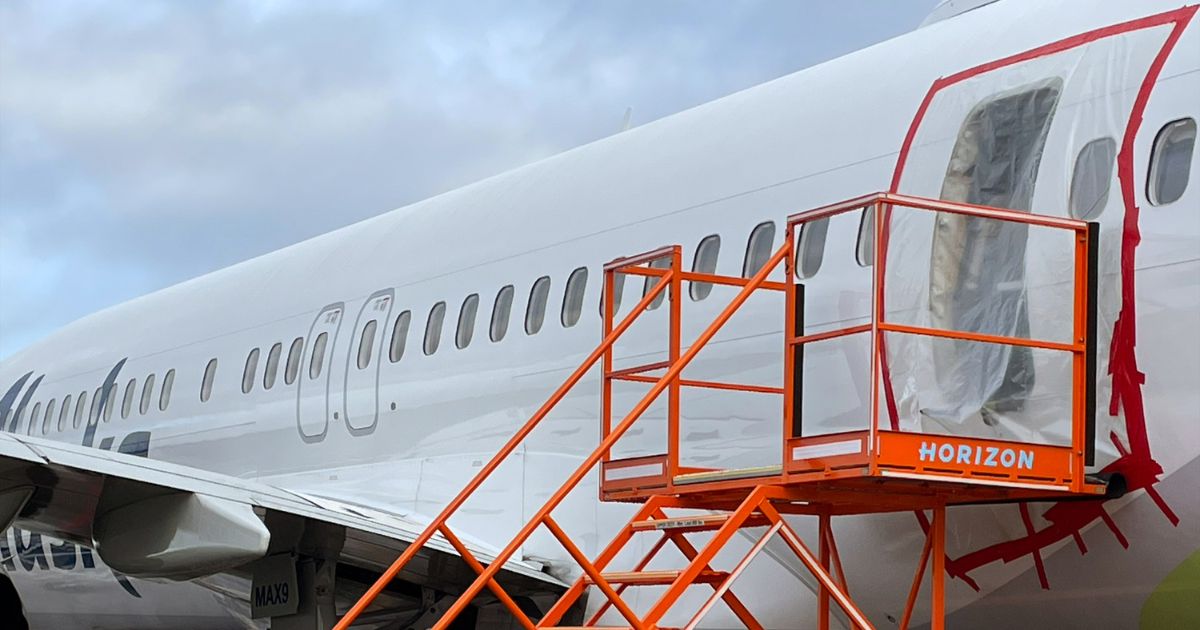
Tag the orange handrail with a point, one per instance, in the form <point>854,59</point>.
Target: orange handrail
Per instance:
<point>617,432</point>
<point>442,518</point>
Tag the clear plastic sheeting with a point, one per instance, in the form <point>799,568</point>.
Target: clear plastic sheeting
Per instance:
<point>1034,136</point>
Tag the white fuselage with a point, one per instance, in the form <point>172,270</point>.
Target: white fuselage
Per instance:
<point>404,435</point>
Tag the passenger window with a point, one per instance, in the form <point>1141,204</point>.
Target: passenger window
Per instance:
<point>810,251</point>
<point>501,311</point>
<point>573,297</point>
<point>758,248</point>
<point>652,281</point>
<point>618,290</point>
<point>366,344</point>
<point>317,362</point>
<point>110,402</point>
<point>127,401</point>
<point>64,412</point>
<point>272,368</point>
<point>80,408</point>
<point>705,262</point>
<point>164,397</point>
<point>433,327</point>
<point>250,371</point>
<point>535,314</point>
<point>147,394</point>
<point>295,353</point>
<point>49,414</point>
<point>210,372</point>
<point>399,336</point>
<point>864,249</point>
<point>1171,161</point>
<point>466,321</point>
<point>97,398</point>
<point>35,417</point>
<point>1091,178</point>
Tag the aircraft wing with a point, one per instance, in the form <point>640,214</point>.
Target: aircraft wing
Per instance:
<point>153,519</point>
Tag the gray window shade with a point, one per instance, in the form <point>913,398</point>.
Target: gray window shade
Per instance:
<point>97,398</point>
<point>618,290</point>
<point>466,321</point>
<point>272,369</point>
<point>810,251</point>
<point>366,344</point>
<point>1171,161</point>
<point>64,412</point>
<point>433,327</point>
<point>705,262</point>
<point>127,401</point>
<point>317,362</point>
<point>864,249</point>
<point>35,417</point>
<point>110,402</point>
<point>535,314</point>
<point>573,297</point>
<point>147,394</point>
<point>501,312</point>
<point>50,412</point>
<point>295,355</point>
<point>1092,178</point>
<point>249,372</point>
<point>80,408</point>
<point>399,336</point>
<point>651,282</point>
<point>164,397</point>
<point>758,248</point>
<point>206,385</point>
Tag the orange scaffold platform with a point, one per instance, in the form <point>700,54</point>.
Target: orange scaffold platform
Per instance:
<point>872,470</point>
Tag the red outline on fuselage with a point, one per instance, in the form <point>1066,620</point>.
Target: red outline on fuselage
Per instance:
<point>1135,464</point>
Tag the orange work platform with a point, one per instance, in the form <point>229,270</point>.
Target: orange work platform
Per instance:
<point>884,466</point>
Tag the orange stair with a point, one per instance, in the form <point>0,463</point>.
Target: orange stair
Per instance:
<point>876,469</point>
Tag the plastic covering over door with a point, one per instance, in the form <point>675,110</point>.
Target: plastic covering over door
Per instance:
<point>1007,137</point>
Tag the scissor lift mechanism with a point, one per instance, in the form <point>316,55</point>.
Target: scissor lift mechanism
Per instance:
<point>874,470</point>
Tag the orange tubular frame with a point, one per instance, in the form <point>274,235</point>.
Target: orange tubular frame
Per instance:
<point>824,475</point>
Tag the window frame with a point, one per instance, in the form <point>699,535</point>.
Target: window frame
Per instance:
<point>1101,202</point>
<point>271,369</point>
<point>291,369</point>
<point>539,292</point>
<point>164,393</point>
<point>1155,165</point>
<point>500,322</point>
<point>573,297</point>
<point>396,351</point>
<point>809,231</point>
<point>433,334</point>
<point>700,291</point>
<point>366,344</point>
<point>468,312</point>
<point>147,395</point>
<point>752,248</point>
<point>206,382</point>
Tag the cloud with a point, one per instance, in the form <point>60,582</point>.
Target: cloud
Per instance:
<point>145,143</point>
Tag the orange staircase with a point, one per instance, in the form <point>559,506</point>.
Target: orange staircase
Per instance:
<point>873,470</point>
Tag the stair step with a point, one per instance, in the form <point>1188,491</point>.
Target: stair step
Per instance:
<point>647,578</point>
<point>684,524</point>
<point>728,475</point>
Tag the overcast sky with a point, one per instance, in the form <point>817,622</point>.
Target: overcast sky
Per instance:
<point>144,143</point>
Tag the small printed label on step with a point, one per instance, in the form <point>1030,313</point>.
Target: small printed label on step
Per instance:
<point>672,524</point>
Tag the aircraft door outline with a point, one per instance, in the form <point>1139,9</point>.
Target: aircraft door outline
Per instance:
<point>360,386</point>
<point>312,413</point>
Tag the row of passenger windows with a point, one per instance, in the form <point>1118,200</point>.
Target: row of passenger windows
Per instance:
<point>1170,166</point>
<point>51,415</point>
<point>1091,178</point>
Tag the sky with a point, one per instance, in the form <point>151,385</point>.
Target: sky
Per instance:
<point>143,143</point>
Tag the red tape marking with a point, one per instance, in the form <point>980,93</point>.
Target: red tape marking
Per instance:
<point>1136,464</point>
